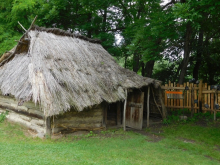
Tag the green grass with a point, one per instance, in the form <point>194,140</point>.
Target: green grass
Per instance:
<point>112,147</point>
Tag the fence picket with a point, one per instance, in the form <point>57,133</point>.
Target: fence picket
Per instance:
<point>195,97</point>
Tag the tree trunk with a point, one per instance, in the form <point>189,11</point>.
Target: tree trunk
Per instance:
<point>186,53</point>
<point>147,69</point>
<point>89,34</point>
<point>104,20</point>
<point>198,56</point>
<point>136,62</point>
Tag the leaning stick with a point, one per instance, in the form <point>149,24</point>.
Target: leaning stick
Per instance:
<point>22,26</point>
<point>32,23</point>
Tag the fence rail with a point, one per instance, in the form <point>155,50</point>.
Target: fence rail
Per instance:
<point>196,97</point>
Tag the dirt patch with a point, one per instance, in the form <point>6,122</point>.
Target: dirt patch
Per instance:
<point>217,148</point>
<point>211,158</point>
<point>154,138</point>
<point>186,140</point>
<point>153,134</point>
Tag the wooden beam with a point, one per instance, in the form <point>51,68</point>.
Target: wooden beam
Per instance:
<point>105,108</point>
<point>48,126</point>
<point>21,112</point>
<point>118,113</point>
<point>200,96</point>
<point>124,113</point>
<point>148,106</point>
<point>180,88</point>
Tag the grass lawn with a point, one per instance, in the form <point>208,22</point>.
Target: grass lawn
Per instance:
<point>175,144</point>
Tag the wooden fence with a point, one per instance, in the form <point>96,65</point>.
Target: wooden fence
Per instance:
<point>198,98</point>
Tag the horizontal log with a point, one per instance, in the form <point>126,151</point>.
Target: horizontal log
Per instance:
<point>210,91</point>
<point>14,117</point>
<point>9,108</point>
<point>79,119</point>
<point>187,107</point>
<point>180,88</point>
<point>71,130</point>
<point>11,100</point>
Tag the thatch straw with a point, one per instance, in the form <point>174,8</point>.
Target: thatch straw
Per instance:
<point>60,71</point>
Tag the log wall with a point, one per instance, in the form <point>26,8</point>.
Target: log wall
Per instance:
<point>28,114</point>
<point>88,119</point>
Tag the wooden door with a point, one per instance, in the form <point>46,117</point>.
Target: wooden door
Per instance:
<point>134,109</point>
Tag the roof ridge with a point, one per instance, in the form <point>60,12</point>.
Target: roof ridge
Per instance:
<point>61,32</point>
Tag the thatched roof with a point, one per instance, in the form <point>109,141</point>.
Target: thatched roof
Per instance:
<point>60,70</point>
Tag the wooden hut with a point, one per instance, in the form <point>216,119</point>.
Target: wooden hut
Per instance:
<point>56,81</point>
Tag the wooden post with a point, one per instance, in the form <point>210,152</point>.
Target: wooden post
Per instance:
<point>118,113</point>
<point>124,113</point>
<point>212,102</point>
<point>164,110</point>
<point>209,97</point>
<point>214,105</point>
<point>178,100</point>
<point>171,100</point>
<point>104,120</point>
<point>187,96</point>
<point>192,101</point>
<point>200,96</point>
<point>181,100</point>
<point>148,107</point>
<point>190,96</point>
<point>195,98</point>
<point>165,96</point>
<point>206,96</point>
<point>48,126</point>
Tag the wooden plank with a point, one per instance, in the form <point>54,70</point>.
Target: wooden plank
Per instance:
<point>165,96</point>
<point>195,97</point>
<point>178,101</point>
<point>119,113</point>
<point>176,107</point>
<point>212,101</point>
<point>192,100</point>
<point>148,106</point>
<point>174,100</point>
<point>210,91</point>
<point>171,100</point>
<point>200,96</point>
<point>209,97</point>
<point>190,95</point>
<point>216,96</point>
<point>168,100</point>
<point>181,100</point>
<point>164,110</point>
<point>205,96</point>
<point>187,95</point>
<point>48,126</point>
<point>173,88</point>
<point>104,109</point>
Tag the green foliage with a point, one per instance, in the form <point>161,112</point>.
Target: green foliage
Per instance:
<point>90,134</point>
<point>197,117</point>
<point>3,116</point>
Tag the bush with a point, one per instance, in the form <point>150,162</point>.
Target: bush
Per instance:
<point>3,116</point>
